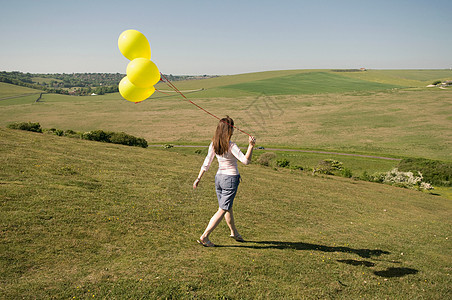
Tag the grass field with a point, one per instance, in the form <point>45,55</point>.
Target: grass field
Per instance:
<point>358,112</point>
<point>310,83</point>
<point>405,78</point>
<point>8,91</point>
<point>81,219</point>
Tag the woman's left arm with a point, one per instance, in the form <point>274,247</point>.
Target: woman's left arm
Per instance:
<point>205,166</point>
<point>195,184</point>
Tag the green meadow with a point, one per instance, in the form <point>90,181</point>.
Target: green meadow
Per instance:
<point>82,219</point>
<point>309,83</point>
<point>9,91</point>
<point>334,111</point>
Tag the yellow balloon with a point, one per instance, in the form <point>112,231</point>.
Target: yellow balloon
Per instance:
<point>133,44</point>
<point>143,73</point>
<point>133,93</point>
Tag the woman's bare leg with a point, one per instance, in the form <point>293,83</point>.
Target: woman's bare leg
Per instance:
<point>214,221</point>
<point>229,217</point>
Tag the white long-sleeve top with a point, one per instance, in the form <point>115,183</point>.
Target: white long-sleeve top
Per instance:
<point>227,163</point>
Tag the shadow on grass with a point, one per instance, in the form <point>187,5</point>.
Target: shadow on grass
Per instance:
<point>396,272</point>
<point>364,253</point>
<point>388,273</point>
<point>357,262</point>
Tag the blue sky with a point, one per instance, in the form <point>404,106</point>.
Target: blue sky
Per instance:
<point>226,37</point>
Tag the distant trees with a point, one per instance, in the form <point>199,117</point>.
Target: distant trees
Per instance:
<point>79,84</point>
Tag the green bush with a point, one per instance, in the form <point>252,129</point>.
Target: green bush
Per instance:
<point>435,172</point>
<point>328,167</point>
<point>266,158</point>
<point>73,134</point>
<point>283,163</point>
<point>365,176</point>
<point>115,138</point>
<point>127,139</point>
<point>97,135</point>
<point>70,132</point>
<point>29,126</point>
<point>347,173</point>
<point>296,167</point>
<point>437,82</point>
<point>59,132</point>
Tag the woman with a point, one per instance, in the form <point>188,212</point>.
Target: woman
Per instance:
<point>227,178</point>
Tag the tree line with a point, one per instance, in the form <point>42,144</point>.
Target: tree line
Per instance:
<point>78,84</point>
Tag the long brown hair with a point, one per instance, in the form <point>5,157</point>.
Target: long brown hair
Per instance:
<point>223,135</point>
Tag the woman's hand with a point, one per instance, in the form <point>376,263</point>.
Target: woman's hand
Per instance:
<point>195,184</point>
<point>252,140</point>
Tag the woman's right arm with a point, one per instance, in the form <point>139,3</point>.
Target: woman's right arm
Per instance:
<point>249,152</point>
<point>245,159</point>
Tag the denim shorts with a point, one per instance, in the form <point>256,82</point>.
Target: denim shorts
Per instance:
<point>226,188</point>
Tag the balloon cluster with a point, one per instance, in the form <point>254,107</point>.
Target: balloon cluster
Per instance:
<point>142,73</point>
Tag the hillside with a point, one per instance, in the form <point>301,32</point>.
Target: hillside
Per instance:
<point>296,82</point>
<point>386,113</point>
<point>85,219</point>
<point>10,91</point>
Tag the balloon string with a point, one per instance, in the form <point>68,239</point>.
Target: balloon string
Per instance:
<point>163,92</point>
<point>171,85</point>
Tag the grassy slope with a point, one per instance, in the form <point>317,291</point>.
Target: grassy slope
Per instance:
<point>410,78</point>
<point>81,218</point>
<point>309,83</point>
<point>10,90</point>
<point>402,123</point>
<point>391,122</point>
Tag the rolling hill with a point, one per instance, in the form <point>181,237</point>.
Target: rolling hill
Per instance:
<point>10,91</point>
<point>82,219</point>
<point>383,112</point>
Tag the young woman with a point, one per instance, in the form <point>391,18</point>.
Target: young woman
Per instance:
<point>227,178</point>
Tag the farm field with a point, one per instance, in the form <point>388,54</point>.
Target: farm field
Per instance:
<point>8,91</point>
<point>381,112</point>
<point>82,219</point>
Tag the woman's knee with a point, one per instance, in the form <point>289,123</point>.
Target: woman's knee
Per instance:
<point>222,210</point>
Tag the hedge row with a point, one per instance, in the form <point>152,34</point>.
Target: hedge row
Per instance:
<point>115,138</point>
<point>95,135</point>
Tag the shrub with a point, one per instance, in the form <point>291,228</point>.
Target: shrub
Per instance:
<point>296,167</point>
<point>97,135</point>
<point>434,171</point>
<point>29,126</point>
<point>283,163</point>
<point>266,158</point>
<point>437,82</point>
<point>59,132</point>
<point>347,173</point>
<point>328,167</point>
<point>70,132</point>
<point>365,176</point>
<point>402,179</point>
<point>115,138</point>
<point>73,134</point>
<point>127,139</point>
<point>168,146</point>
